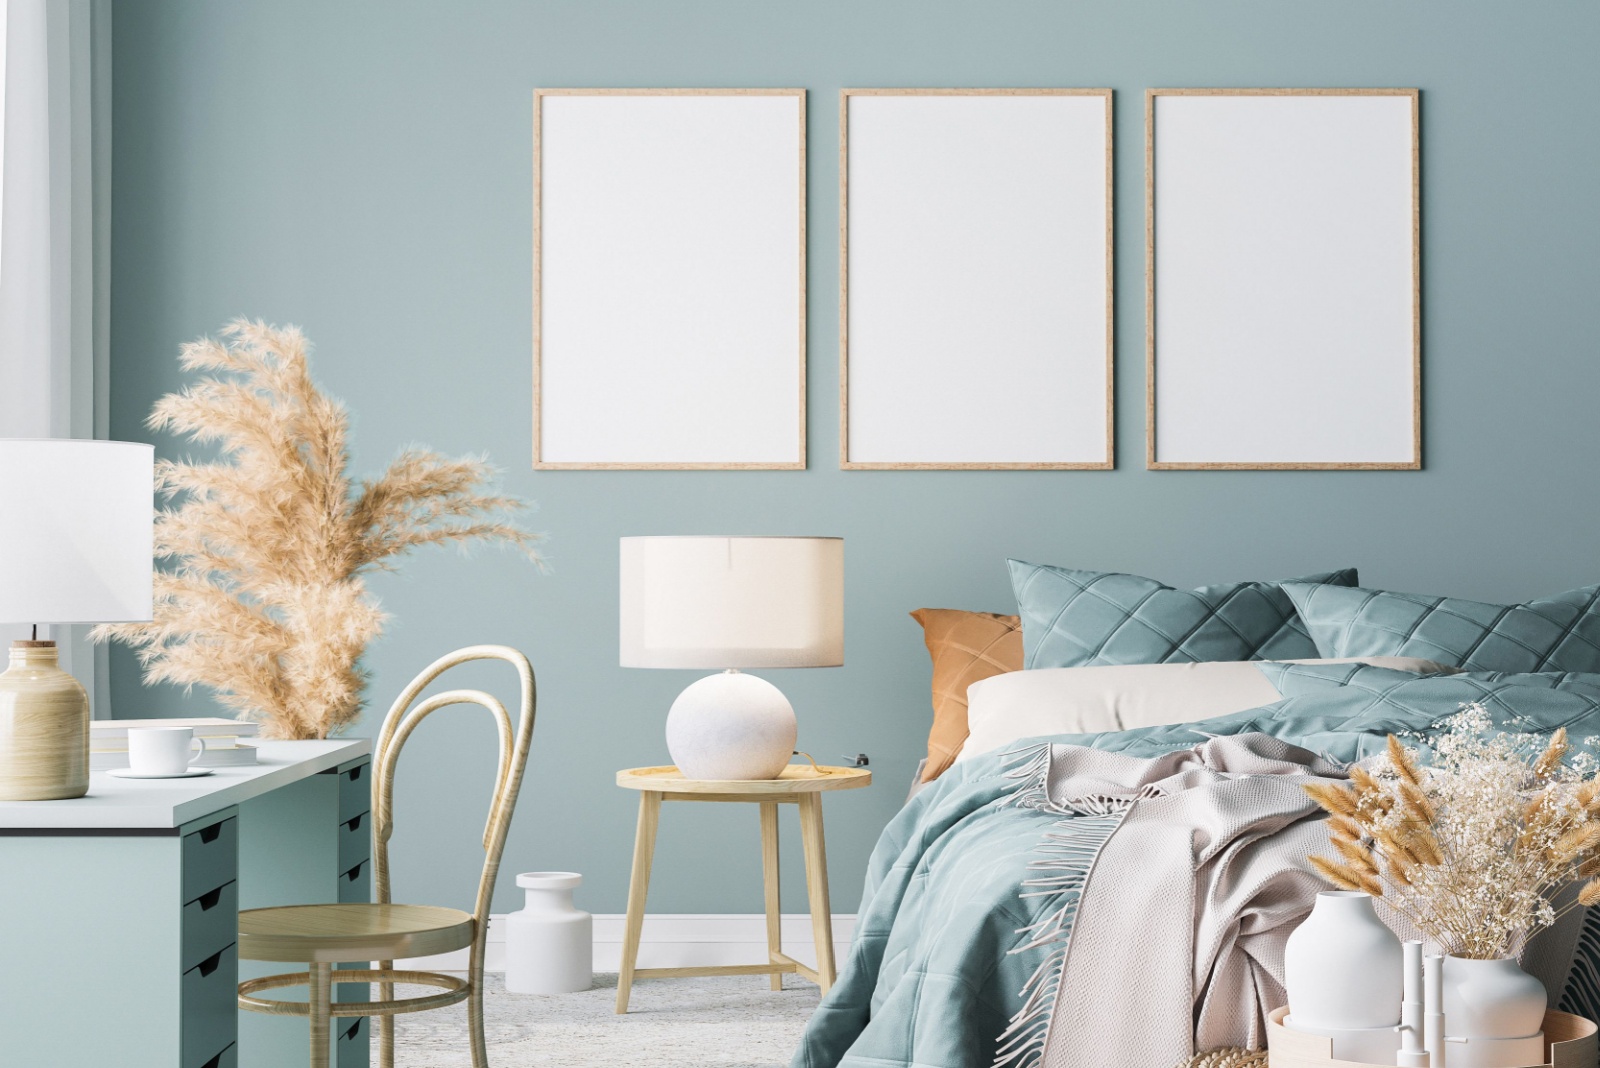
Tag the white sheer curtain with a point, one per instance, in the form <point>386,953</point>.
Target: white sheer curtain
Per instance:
<point>54,234</point>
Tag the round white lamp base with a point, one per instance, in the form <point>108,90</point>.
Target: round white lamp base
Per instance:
<point>731,726</point>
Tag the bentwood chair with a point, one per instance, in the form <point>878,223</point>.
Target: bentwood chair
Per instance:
<point>323,935</point>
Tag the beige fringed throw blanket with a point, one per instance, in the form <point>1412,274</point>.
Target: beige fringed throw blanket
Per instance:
<point>1182,911</point>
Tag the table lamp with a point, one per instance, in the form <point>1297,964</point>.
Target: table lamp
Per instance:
<point>732,603</point>
<point>75,547</point>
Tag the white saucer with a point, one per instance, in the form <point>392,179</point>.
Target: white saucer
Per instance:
<point>129,773</point>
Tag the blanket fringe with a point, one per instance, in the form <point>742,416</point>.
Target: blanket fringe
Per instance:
<point>1032,765</point>
<point>1066,854</point>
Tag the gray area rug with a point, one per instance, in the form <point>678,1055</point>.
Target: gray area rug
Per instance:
<point>722,1022</point>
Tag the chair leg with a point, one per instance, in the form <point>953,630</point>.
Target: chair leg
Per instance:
<point>319,997</point>
<point>385,1022</point>
<point>480,1052</point>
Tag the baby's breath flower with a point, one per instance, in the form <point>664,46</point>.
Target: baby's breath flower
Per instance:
<point>1475,843</point>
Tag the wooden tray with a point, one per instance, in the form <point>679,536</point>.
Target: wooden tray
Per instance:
<point>1570,1042</point>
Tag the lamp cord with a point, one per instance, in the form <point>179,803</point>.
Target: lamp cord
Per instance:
<point>814,767</point>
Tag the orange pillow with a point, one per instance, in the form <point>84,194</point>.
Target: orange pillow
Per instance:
<point>965,647</point>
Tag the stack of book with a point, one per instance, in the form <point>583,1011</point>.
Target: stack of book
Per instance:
<point>108,741</point>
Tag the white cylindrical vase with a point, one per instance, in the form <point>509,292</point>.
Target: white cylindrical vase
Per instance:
<point>731,726</point>
<point>549,941</point>
<point>1343,967</point>
<point>1498,1008</point>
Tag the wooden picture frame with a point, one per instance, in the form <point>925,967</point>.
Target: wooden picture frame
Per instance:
<point>669,279</point>
<point>974,163</point>
<point>1358,279</point>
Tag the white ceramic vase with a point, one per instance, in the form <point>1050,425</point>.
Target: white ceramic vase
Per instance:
<point>1492,1004</point>
<point>731,726</point>
<point>1342,967</point>
<point>549,941</point>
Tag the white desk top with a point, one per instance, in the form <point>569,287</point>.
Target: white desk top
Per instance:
<point>114,803</point>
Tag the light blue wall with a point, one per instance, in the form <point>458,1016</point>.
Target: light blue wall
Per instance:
<point>364,170</point>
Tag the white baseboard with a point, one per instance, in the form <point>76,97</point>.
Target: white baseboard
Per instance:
<point>670,940</point>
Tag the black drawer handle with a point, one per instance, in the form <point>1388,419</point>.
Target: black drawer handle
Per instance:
<point>355,824</point>
<point>355,873</point>
<point>210,964</point>
<point>355,772</point>
<point>208,900</point>
<point>353,1030</point>
<point>214,1061</point>
<point>210,834</point>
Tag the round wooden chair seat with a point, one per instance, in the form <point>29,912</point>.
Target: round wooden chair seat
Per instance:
<point>334,933</point>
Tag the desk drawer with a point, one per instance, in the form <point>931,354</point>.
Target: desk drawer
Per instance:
<point>355,841</point>
<point>356,884</point>
<point>210,1007</point>
<point>355,791</point>
<point>210,858</point>
<point>229,1058</point>
<point>210,923</point>
<point>352,1045</point>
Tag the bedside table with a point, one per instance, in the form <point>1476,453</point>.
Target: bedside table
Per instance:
<point>800,785</point>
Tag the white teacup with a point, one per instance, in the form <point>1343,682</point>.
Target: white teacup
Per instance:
<point>162,750</point>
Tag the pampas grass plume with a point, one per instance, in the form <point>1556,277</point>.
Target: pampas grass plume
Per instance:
<point>264,599</point>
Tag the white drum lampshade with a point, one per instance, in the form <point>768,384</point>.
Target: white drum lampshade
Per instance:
<point>76,533</point>
<point>732,603</point>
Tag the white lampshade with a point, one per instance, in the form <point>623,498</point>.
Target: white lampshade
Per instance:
<point>76,528</point>
<point>732,602</point>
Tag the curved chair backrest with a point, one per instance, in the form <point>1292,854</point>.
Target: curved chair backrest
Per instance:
<point>397,727</point>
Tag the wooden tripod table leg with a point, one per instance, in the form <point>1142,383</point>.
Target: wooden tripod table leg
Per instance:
<point>817,886</point>
<point>769,880</point>
<point>644,847</point>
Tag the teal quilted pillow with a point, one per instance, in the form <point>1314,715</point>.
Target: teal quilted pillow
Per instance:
<point>1560,633</point>
<point>1087,618</point>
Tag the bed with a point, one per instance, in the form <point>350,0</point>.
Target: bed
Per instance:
<point>1058,894</point>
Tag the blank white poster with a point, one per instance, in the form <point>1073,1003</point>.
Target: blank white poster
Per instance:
<point>1284,301</point>
<point>977,329</point>
<point>670,279</point>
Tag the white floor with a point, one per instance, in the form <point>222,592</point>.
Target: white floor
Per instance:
<point>724,1022</point>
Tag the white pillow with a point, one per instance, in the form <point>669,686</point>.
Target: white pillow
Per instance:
<point>1082,700</point>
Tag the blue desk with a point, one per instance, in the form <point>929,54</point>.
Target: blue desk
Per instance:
<point>119,910</point>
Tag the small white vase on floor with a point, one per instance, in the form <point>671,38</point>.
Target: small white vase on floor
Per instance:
<point>1342,967</point>
<point>1498,1008</point>
<point>549,941</point>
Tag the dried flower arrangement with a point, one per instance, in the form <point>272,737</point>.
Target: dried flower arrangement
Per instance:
<point>265,602</point>
<point>1472,848</point>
